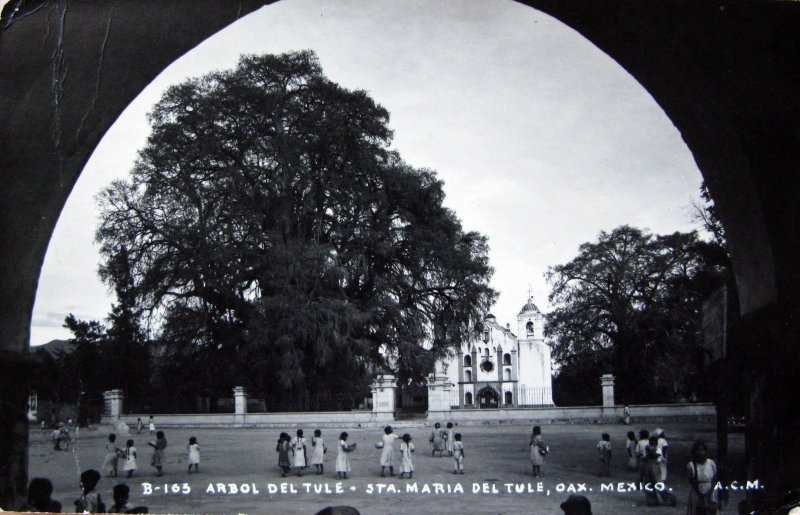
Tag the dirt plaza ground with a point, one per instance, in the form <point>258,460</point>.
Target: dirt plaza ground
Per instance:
<point>498,475</point>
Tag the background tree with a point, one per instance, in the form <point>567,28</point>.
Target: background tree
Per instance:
<point>630,304</point>
<point>83,374</point>
<point>277,239</point>
<point>125,345</point>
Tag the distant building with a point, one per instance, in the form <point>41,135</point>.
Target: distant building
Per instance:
<point>499,369</point>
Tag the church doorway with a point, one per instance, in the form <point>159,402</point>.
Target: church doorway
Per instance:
<point>488,398</point>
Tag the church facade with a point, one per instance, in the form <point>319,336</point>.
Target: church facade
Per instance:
<point>501,369</point>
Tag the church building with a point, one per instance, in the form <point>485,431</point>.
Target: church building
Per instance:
<point>501,369</point>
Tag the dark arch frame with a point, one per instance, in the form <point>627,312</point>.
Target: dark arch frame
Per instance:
<point>725,74</point>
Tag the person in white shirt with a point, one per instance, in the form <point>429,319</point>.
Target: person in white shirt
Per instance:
<point>662,449</point>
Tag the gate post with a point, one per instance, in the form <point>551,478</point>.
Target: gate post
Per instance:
<point>607,383</point>
<point>240,404</point>
<point>438,397</point>
<point>383,398</point>
<point>113,401</point>
<point>112,405</point>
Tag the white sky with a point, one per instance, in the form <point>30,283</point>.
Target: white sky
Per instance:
<point>542,140</point>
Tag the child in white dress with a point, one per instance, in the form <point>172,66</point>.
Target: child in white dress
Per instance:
<point>194,454</point>
<point>299,448</point>
<point>458,454</point>
<point>387,455</point>
<point>449,439</point>
<point>406,448</point>
<point>343,459</point>
<point>130,458</point>
<point>318,454</point>
<point>112,456</point>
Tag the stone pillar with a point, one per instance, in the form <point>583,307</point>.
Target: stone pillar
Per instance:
<point>383,398</point>
<point>438,397</point>
<point>607,382</point>
<point>113,401</point>
<point>240,404</point>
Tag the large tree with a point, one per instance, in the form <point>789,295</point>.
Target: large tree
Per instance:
<point>278,240</point>
<point>630,304</point>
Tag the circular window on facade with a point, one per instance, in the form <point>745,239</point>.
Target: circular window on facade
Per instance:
<point>487,366</point>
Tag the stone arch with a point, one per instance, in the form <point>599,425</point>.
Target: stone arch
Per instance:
<point>697,60</point>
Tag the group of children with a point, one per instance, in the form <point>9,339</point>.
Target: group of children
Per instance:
<point>299,459</point>
<point>90,500</point>
<point>293,452</point>
<point>129,455</point>
<point>647,455</point>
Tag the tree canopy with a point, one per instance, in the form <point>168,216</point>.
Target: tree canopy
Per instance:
<point>277,239</point>
<point>630,304</point>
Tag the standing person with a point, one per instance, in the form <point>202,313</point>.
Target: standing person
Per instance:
<point>630,445</point>
<point>151,425</point>
<point>437,440</point>
<point>112,456</point>
<point>89,501</point>
<point>194,454</point>
<point>406,448</point>
<point>299,448</point>
<point>318,454</point>
<point>651,476</point>
<point>450,433</point>
<point>538,450</point>
<point>283,448</point>
<point>387,454</point>
<point>604,453</point>
<point>343,458</point>
<point>641,448</point>
<point>39,491</point>
<point>458,454</point>
<point>121,495</point>
<point>662,449</point>
<point>139,425</point>
<point>130,458</point>
<point>702,473</point>
<point>158,452</point>
<point>56,437</point>
<point>626,415</point>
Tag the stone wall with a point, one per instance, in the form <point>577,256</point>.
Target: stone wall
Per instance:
<point>700,412</point>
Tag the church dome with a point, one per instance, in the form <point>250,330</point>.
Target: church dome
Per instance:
<point>529,307</point>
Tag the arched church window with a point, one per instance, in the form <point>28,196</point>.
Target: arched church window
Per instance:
<point>509,397</point>
<point>529,327</point>
<point>486,336</point>
<point>467,360</point>
<point>506,359</point>
<point>486,352</point>
<point>507,374</point>
<point>468,375</point>
<point>468,398</point>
